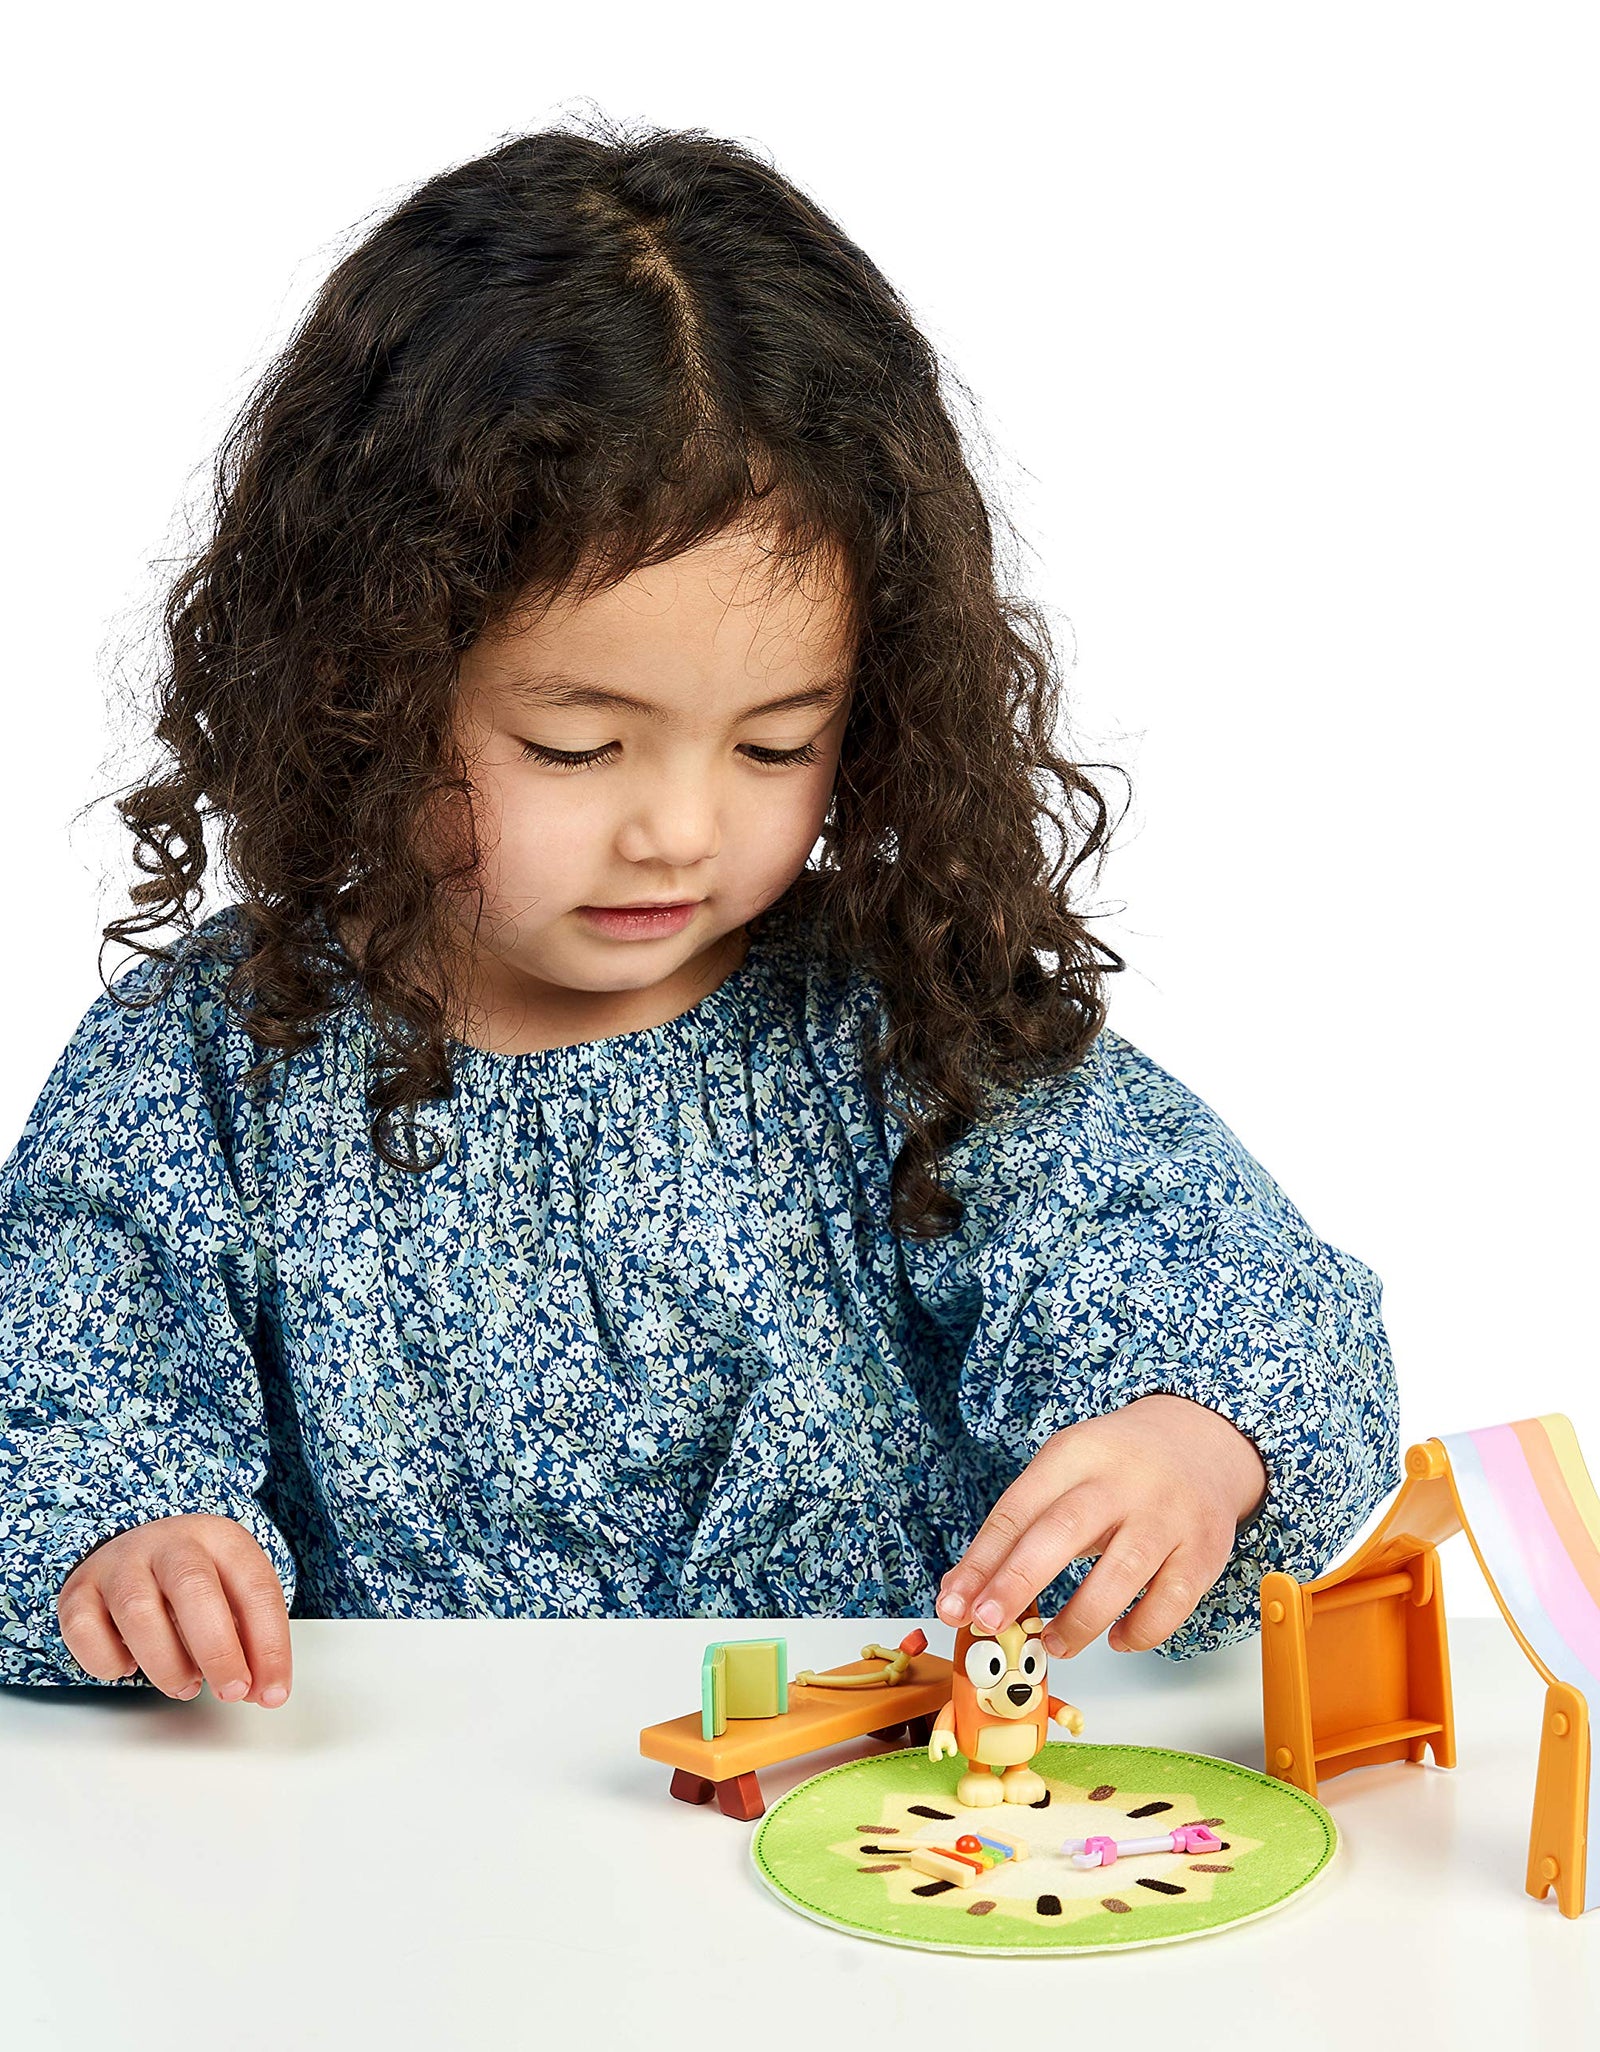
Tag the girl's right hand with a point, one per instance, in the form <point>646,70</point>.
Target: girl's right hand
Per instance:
<point>228,1622</point>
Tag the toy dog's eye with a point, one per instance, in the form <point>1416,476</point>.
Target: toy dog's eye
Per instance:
<point>1033,1664</point>
<point>985,1663</point>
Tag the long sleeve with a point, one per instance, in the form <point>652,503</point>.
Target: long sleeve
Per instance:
<point>129,1302</point>
<point>1120,1242</point>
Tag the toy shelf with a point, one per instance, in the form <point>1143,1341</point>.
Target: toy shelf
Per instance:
<point>1370,1735</point>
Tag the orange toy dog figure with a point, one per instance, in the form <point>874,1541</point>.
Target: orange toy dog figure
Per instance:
<point>998,1712</point>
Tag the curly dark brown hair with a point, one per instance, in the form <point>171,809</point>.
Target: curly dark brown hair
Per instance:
<point>572,357</point>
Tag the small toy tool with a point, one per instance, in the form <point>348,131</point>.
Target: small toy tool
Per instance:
<point>896,1661</point>
<point>967,1860</point>
<point>1101,1852</point>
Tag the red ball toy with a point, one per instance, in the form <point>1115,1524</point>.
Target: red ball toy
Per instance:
<point>967,1843</point>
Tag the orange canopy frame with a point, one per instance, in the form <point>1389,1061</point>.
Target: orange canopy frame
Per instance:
<point>1355,1666</point>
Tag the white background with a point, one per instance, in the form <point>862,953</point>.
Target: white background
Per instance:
<point>1281,324</point>
<point>447,1841</point>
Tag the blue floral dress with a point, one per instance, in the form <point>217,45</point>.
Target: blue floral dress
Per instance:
<point>641,1343</point>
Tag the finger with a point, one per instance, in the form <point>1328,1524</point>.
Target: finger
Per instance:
<point>1172,1595</point>
<point>1073,1523</point>
<point>1013,1513</point>
<point>1135,1554</point>
<point>90,1633</point>
<point>139,1611</point>
<point>186,1572</point>
<point>261,1618</point>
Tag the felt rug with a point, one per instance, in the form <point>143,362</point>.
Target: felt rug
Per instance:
<point>827,1849</point>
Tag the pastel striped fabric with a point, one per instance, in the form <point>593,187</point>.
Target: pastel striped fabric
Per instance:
<point>1536,1518</point>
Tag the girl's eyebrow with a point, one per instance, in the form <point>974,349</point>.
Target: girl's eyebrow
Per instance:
<point>553,689</point>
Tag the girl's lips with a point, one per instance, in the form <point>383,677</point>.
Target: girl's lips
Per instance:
<point>641,924</point>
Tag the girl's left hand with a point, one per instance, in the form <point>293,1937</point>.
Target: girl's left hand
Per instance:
<point>1158,1489</point>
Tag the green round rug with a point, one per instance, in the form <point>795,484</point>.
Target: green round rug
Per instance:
<point>825,1849</point>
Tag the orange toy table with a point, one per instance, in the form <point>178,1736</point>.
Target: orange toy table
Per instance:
<point>726,1767</point>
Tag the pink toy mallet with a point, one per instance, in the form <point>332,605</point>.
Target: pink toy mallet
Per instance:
<point>1101,1852</point>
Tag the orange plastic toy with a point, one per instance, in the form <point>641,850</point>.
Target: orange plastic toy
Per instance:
<point>999,1713</point>
<point>1355,1668</point>
<point>818,1715</point>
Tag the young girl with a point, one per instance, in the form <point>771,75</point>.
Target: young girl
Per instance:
<point>804,1242</point>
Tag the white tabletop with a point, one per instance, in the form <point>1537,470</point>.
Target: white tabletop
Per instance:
<point>421,1850</point>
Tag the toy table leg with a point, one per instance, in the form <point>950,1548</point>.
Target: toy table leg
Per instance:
<point>692,1788</point>
<point>741,1798</point>
<point>916,1733</point>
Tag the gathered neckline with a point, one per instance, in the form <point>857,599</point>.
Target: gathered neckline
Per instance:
<point>675,1036</point>
<point>683,1035</point>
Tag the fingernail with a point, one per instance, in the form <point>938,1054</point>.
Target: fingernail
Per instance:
<point>188,1695</point>
<point>1053,1646</point>
<point>274,1696</point>
<point>230,1692</point>
<point>949,1608</point>
<point>988,1614</point>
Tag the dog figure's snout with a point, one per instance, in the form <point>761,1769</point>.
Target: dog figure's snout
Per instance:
<point>1019,1692</point>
